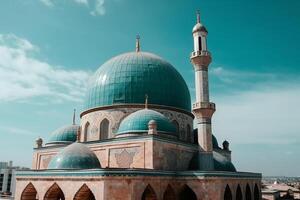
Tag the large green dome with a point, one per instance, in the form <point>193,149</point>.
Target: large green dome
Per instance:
<point>125,79</point>
<point>137,122</point>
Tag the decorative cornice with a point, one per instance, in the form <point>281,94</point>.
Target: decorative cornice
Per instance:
<point>134,172</point>
<point>130,139</point>
<point>150,106</point>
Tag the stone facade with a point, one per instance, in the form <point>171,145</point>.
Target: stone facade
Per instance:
<point>132,185</point>
<point>90,121</point>
<point>147,152</point>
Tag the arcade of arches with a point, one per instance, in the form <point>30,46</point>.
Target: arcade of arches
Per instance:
<point>185,193</point>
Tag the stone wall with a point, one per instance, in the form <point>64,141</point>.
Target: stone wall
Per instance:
<point>133,187</point>
<point>43,156</point>
<point>172,156</point>
<point>148,152</point>
<point>93,119</point>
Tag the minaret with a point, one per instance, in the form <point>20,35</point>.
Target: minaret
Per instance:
<point>73,120</point>
<point>203,109</point>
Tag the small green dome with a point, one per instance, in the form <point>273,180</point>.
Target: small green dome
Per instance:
<point>75,156</point>
<point>64,135</point>
<point>137,122</point>
<point>221,163</point>
<point>125,79</point>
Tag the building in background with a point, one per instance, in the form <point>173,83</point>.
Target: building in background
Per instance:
<point>136,138</point>
<point>279,191</point>
<point>7,178</point>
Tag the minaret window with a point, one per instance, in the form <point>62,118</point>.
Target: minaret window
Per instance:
<point>200,43</point>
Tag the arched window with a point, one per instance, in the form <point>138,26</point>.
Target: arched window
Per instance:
<point>169,194</point>
<point>248,193</point>
<point>104,128</point>
<point>87,131</point>
<point>176,125</point>
<point>239,194</point>
<point>188,133</point>
<point>187,193</point>
<point>256,193</point>
<point>227,193</point>
<point>84,193</point>
<point>54,193</point>
<point>149,194</point>
<point>200,43</point>
<point>29,193</point>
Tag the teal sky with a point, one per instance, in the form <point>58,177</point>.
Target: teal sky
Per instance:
<point>49,48</point>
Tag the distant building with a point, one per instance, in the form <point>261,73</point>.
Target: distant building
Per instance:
<point>279,191</point>
<point>7,179</point>
<point>270,194</point>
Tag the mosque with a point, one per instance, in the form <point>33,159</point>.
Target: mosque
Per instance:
<point>136,139</point>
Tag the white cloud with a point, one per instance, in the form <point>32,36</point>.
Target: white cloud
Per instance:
<point>84,2</point>
<point>230,76</point>
<point>97,6</point>
<point>16,131</point>
<point>266,116</point>
<point>22,76</point>
<point>48,3</point>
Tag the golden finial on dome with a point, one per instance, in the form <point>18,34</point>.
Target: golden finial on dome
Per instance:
<point>198,16</point>
<point>137,44</point>
<point>146,101</point>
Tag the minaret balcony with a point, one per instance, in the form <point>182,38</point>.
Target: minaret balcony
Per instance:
<point>203,109</point>
<point>201,58</point>
<point>204,105</point>
<point>199,53</point>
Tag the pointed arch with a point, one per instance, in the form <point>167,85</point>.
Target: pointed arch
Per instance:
<point>187,193</point>
<point>227,193</point>
<point>87,131</point>
<point>169,194</point>
<point>29,193</point>
<point>239,194</point>
<point>54,193</point>
<point>149,194</point>
<point>84,193</point>
<point>248,193</point>
<point>104,129</point>
<point>256,192</point>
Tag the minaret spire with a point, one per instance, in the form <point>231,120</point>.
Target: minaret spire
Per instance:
<point>137,44</point>
<point>198,16</point>
<point>74,116</point>
<point>146,101</point>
